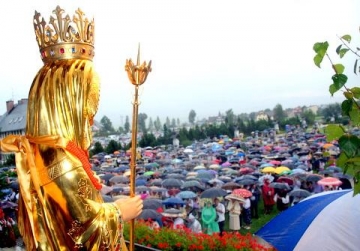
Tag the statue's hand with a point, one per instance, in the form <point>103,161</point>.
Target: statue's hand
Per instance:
<point>130,208</point>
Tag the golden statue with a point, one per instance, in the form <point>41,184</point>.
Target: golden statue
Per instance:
<point>60,205</point>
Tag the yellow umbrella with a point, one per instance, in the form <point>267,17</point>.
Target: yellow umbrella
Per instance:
<point>281,169</point>
<point>268,169</point>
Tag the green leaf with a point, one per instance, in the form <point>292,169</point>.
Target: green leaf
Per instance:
<point>349,144</point>
<point>347,38</point>
<point>334,132</point>
<point>339,68</point>
<point>356,183</point>
<point>346,106</point>
<point>355,116</point>
<point>338,49</point>
<point>348,95</point>
<point>341,160</point>
<point>356,92</point>
<point>342,52</point>
<point>320,49</point>
<point>355,66</point>
<point>333,89</point>
<point>339,81</point>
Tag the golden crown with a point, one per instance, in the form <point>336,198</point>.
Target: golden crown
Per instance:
<point>63,38</point>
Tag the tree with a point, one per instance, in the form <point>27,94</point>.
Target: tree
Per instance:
<point>349,143</point>
<point>112,146</point>
<point>168,124</point>
<point>142,122</point>
<point>106,125</point>
<point>157,124</point>
<point>121,130</point>
<point>279,113</point>
<point>173,123</point>
<point>192,116</point>
<point>151,125</point>
<point>127,125</point>
<point>98,148</point>
<point>178,122</point>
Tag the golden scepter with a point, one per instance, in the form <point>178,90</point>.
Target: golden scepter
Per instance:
<point>137,75</point>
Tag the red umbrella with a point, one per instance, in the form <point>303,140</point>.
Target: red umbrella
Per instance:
<point>246,170</point>
<point>330,181</point>
<point>242,192</point>
<point>285,179</point>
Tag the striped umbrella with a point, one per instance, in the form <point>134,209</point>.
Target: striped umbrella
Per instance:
<point>324,221</point>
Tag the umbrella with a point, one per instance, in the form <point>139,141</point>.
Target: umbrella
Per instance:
<point>300,193</point>
<point>242,192</point>
<point>268,169</point>
<point>287,180</point>
<point>149,214</point>
<point>315,223</point>
<point>234,197</point>
<point>156,182</point>
<point>213,193</point>
<point>246,182</point>
<point>173,201</point>
<point>106,176</point>
<point>172,183</point>
<point>247,176</point>
<point>188,150</point>
<point>191,183</point>
<point>140,182</point>
<point>281,169</point>
<point>262,178</point>
<point>329,181</point>
<point>119,179</point>
<point>246,170</point>
<point>334,169</point>
<point>149,173</point>
<point>142,189</point>
<point>230,186</point>
<point>199,168</point>
<point>186,195</point>
<point>152,203</point>
<point>172,212</point>
<point>158,189</point>
<point>175,176</point>
<point>314,178</point>
<point>282,186</point>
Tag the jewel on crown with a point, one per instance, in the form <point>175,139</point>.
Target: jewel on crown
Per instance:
<point>63,37</point>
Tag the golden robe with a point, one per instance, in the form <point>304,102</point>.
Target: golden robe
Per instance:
<point>60,206</point>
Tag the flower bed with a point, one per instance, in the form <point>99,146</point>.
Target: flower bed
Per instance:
<point>184,239</point>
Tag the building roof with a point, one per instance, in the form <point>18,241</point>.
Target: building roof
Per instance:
<point>15,119</point>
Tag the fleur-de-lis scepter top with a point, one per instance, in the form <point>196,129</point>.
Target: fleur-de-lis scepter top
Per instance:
<point>137,75</point>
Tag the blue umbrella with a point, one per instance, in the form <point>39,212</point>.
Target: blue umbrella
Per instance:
<point>325,221</point>
<point>140,182</point>
<point>173,201</point>
<point>186,195</point>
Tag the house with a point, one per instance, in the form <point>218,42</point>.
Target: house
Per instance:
<point>13,121</point>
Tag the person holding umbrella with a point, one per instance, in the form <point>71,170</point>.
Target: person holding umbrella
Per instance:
<point>268,193</point>
<point>220,210</point>
<point>234,209</point>
<point>208,216</point>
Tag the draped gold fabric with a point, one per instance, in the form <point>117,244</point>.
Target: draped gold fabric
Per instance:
<point>59,207</point>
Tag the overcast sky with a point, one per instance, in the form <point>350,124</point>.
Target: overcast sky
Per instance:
<point>210,56</point>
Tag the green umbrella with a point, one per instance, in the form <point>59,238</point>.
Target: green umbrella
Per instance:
<point>148,173</point>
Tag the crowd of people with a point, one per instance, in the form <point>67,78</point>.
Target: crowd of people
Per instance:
<point>247,171</point>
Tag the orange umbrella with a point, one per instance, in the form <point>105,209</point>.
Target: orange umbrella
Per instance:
<point>242,192</point>
<point>330,181</point>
